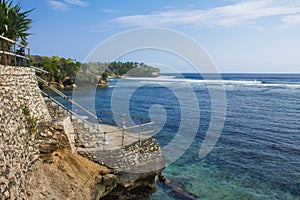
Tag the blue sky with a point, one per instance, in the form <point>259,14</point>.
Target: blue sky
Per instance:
<point>239,35</point>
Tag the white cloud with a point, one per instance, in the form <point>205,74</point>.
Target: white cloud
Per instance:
<point>291,20</point>
<point>77,2</point>
<point>237,14</point>
<point>110,11</point>
<point>64,6</point>
<point>57,5</point>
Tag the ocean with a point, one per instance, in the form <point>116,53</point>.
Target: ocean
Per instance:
<point>256,155</point>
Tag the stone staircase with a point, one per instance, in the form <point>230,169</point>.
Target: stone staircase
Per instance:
<point>86,134</point>
<point>89,135</point>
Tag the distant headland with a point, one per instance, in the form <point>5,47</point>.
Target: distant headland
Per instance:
<point>64,71</point>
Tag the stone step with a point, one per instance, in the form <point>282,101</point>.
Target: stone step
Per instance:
<point>54,105</point>
<point>94,144</point>
<point>62,112</point>
<point>84,130</point>
<point>46,99</point>
<point>92,136</point>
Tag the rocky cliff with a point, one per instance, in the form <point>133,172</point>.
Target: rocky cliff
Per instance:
<point>61,174</point>
<point>35,155</point>
<point>37,158</point>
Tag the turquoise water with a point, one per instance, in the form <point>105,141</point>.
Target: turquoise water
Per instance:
<point>258,153</point>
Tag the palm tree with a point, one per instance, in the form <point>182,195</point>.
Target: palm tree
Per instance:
<point>14,24</point>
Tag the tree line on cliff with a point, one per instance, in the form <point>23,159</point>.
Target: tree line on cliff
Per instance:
<point>64,71</point>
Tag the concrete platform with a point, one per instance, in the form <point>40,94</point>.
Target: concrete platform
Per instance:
<point>108,137</point>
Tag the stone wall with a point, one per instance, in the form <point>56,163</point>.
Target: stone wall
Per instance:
<point>19,86</point>
<point>135,166</point>
<point>138,157</point>
<point>21,109</point>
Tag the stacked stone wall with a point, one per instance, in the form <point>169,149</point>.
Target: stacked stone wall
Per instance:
<point>21,109</point>
<point>139,157</point>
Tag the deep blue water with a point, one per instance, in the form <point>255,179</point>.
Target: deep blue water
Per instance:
<point>257,155</point>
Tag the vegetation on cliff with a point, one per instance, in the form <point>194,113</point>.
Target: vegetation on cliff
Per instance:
<point>64,71</point>
<point>14,24</point>
<point>132,69</point>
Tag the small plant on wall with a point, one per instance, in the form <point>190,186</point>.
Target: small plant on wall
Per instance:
<point>31,123</point>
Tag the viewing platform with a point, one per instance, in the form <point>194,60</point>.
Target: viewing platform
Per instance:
<point>131,149</point>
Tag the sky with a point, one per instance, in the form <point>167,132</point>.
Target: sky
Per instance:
<point>260,36</point>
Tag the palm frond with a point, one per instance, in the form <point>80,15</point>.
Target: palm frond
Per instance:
<point>14,23</point>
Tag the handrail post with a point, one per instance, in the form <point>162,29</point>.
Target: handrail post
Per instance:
<point>104,140</point>
<point>98,124</point>
<point>1,48</point>
<point>123,127</point>
<point>25,59</point>
<point>66,106</point>
<point>49,85</point>
<point>153,127</point>
<point>15,55</point>
<point>140,135</point>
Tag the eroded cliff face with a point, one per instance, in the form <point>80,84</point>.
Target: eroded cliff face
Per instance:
<point>67,176</point>
<point>61,174</point>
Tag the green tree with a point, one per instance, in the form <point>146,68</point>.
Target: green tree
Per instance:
<point>14,24</point>
<point>105,76</point>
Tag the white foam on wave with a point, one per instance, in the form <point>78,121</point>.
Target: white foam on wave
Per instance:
<point>166,77</point>
<point>170,80</point>
<point>293,86</point>
<point>279,85</point>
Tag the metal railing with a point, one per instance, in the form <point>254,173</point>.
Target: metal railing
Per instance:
<point>128,124</point>
<point>141,127</point>
<point>11,48</point>
<point>66,99</point>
